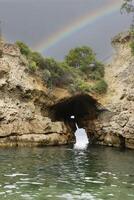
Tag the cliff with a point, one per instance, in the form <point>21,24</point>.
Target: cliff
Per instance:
<point>116,126</point>
<point>33,115</point>
<point>23,100</point>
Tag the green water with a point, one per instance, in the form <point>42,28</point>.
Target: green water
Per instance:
<point>65,173</point>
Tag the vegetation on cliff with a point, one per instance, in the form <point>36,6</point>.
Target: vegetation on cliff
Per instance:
<point>128,7</point>
<point>79,72</point>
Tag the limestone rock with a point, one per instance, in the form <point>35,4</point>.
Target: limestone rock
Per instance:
<point>118,129</point>
<point>23,98</point>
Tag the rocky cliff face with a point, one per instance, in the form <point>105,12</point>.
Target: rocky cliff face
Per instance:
<point>115,127</point>
<point>31,115</point>
<point>23,102</point>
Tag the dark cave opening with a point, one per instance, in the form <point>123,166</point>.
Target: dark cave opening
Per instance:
<point>81,106</point>
<point>87,114</point>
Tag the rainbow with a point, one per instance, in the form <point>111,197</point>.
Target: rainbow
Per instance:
<point>78,25</point>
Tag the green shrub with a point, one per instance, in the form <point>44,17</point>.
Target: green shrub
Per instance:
<point>65,74</point>
<point>80,66</point>
<point>97,73</point>
<point>100,87</point>
<point>94,71</point>
<point>61,73</point>
<point>46,75</point>
<point>83,59</point>
<point>32,66</point>
<point>132,47</point>
<point>47,78</point>
<point>52,67</point>
<point>79,86</point>
<point>24,49</point>
<point>38,58</point>
<point>80,57</point>
<point>100,69</point>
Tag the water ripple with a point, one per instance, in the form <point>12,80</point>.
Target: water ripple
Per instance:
<point>65,173</point>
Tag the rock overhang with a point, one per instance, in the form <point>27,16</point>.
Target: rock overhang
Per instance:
<point>79,105</point>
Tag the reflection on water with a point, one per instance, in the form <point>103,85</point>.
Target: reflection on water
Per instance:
<point>54,173</point>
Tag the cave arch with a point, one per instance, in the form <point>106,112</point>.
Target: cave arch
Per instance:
<point>84,107</point>
<point>90,115</point>
<point>79,106</point>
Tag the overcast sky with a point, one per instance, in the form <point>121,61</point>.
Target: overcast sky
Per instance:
<point>34,20</point>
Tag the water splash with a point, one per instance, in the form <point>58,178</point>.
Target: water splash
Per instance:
<point>81,138</point>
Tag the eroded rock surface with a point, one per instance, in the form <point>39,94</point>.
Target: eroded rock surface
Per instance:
<point>23,99</point>
<point>115,127</point>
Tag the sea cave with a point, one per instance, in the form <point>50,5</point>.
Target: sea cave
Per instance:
<point>84,109</point>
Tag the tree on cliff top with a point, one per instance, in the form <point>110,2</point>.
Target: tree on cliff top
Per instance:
<point>80,56</point>
<point>84,58</point>
<point>128,6</point>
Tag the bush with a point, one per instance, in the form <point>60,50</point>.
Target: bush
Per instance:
<point>46,75</point>
<point>47,78</point>
<point>79,86</point>
<point>97,73</point>
<point>61,73</point>
<point>100,69</point>
<point>66,74</point>
<point>94,71</point>
<point>83,59</point>
<point>100,87</point>
<point>35,59</point>
<point>24,49</point>
<point>32,66</point>
<point>95,76</point>
<point>132,47</point>
<point>38,58</point>
<point>80,66</point>
<point>80,57</point>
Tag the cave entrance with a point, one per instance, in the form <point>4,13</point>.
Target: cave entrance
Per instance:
<point>83,107</point>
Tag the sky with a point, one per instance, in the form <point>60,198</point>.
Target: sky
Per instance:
<point>35,22</point>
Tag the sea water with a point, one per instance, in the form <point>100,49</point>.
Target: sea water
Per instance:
<point>66,173</point>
